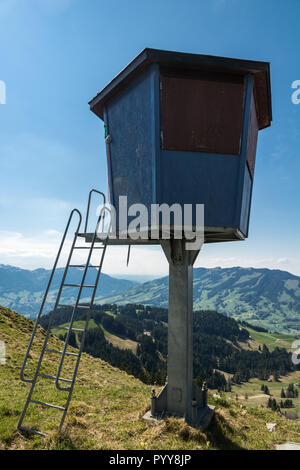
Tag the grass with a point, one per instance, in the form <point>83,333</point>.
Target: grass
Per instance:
<point>122,343</point>
<point>107,408</point>
<point>76,324</point>
<point>257,398</point>
<point>272,340</point>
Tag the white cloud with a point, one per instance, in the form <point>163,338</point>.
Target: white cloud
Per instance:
<point>31,252</point>
<point>143,261</point>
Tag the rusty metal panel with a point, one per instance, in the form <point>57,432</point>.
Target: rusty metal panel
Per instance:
<point>202,112</point>
<point>252,139</point>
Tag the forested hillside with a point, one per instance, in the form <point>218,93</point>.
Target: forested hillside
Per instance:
<point>221,345</point>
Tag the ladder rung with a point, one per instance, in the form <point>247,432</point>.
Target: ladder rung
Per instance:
<point>33,431</point>
<point>48,404</point>
<point>88,247</point>
<point>82,266</point>
<point>55,351</point>
<point>67,328</point>
<point>72,306</point>
<point>45,376</point>
<point>78,285</point>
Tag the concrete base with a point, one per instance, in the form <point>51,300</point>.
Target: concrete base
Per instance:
<point>201,412</point>
<point>204,417</point>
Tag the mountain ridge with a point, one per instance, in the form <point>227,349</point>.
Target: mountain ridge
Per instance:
<point>263,296</point>
<point>22,290</point>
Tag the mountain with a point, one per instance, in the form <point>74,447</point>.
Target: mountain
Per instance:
<point>23,290</point>
<point>266,297</point>
<point>263,297</point>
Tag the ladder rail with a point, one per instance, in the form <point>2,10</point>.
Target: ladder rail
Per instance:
<point>89,203</point>
<point>22,372</point>
<point>64,352</point>
<point>66,342</point>
<point>82,340</point>
<point>37,371</point>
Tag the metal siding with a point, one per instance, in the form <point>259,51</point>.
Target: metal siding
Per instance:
<point>246,201</point>
<point>155,103</point>
<point>244,144</point>
<point>210,179</point>
<point>109,172</point>
<point>252,139</point>
<point>130,118</point>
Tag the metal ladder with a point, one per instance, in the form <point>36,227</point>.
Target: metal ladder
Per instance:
<point>57,378</point>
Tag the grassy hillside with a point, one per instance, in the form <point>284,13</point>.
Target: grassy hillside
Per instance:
<point>252,393</point>
<point>108,405</point>
<point>264,297</point>
<point>272,340</point>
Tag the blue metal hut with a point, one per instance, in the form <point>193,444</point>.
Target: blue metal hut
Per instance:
<point>183,129</point>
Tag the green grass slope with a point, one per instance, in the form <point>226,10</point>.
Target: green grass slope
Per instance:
<point>272,340</point>
<point>107,408</point>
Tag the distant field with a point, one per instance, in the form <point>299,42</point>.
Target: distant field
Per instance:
<point>77,324</point>
<point>272,340</point>
<point>122,343</point>
<point>257,398</point>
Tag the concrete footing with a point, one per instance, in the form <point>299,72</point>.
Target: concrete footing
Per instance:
<point>200,416</point>
<point>204,417</point>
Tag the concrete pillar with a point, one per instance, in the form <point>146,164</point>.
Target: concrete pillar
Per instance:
<point>180,328</point>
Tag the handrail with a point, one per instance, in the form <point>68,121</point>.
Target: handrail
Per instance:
<point>89,203</point>
<point>46,292</point>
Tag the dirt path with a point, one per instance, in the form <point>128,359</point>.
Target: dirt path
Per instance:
<point>261,395</point>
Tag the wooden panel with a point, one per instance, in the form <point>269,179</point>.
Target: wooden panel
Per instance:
<point>252,139</point>
<point>202,113</point>
<point>129,118</point>
<point>201,178</point>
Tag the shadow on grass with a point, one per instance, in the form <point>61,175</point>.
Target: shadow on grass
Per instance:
<point>51,441</point>
<point>220,434</point>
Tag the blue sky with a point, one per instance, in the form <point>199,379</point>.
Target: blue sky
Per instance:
<point>56,54</point>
